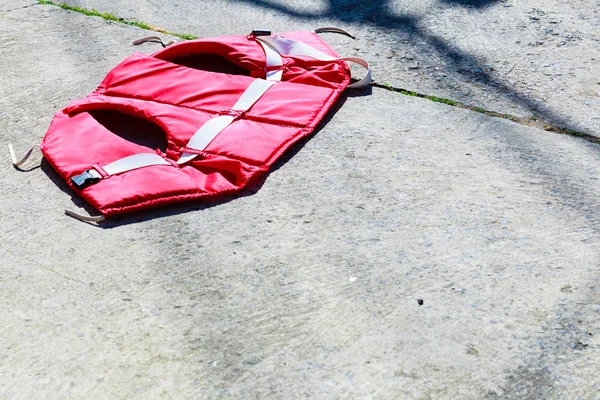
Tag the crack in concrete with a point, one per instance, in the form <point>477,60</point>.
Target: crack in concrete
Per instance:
<point>64,276</point>
<point>37,264</point>
<point>531,122</point>
<point>20,8</point>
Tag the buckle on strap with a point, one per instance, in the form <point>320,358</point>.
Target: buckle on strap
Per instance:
<point>259,32</point>
<point>88,177</point>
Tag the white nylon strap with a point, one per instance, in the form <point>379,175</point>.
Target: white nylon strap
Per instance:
<point>207,132</point>
<point>273,60</point>
<point>13,157</point>
<point>95,174</point>
<point>295,48</point>
<point>134,162</point>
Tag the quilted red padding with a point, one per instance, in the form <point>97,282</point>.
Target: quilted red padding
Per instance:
<point>179,100</point>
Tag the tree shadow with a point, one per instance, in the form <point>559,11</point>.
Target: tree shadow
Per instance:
<point>470,3</point>
<point>461,64</point>
<point>577,196</point>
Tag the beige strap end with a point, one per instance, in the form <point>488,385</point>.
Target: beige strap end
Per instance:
<point>154,39</point>
<point>331,29</point>
<point>13,157</point>
<point>85,218</point>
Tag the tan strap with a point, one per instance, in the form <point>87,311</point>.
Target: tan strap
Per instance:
<point>332,29</point>
<point>18,163</point>
<point>154,39</point>
<point>85,218</point>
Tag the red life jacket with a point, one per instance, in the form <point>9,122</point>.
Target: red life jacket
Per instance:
<point>222,130</point>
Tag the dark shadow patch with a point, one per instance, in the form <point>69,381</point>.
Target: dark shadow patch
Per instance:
<point>132,129</point>
<point>470,3</point>
<point>461,65</point>
<point>210,62</point>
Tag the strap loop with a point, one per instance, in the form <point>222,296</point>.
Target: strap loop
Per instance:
<point>17,163</point>
<point>154,39</point>
<point>85,218</point>
<point>364,82</point>
<point>331,29</point>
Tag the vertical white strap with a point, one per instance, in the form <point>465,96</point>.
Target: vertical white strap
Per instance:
<point>207,132</point>
<point>205,135</point>
<point>251,95</point>
<point>273,61</point>
<point>294,48</point>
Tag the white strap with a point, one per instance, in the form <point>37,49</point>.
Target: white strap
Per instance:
<point>91,175</point>
<point>13,157</point>
<point>273,60</point>
<point>134,162</point>
<point>295,48</point>
<point>207,132</point>
<point>364,82</point>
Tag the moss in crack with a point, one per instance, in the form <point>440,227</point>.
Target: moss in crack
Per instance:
<point>532,120</point>
<point>110,17</point>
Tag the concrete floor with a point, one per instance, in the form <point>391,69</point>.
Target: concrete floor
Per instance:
<point>309,287</point>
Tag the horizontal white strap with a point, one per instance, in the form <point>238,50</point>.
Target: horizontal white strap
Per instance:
<point>207,132</point>
<point>134,162</point>
<point>295,48</point>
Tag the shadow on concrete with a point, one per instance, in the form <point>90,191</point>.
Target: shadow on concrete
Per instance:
<point>461,64</point>
<point>470,3</point>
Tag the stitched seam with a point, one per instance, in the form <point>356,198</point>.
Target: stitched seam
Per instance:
<point>109,209</point>
<point>247,117</point>
<point>305,129</point>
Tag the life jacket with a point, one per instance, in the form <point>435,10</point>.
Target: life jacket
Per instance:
<point>222,130</point>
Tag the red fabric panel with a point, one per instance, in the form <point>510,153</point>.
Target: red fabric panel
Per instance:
<point>180,100</point>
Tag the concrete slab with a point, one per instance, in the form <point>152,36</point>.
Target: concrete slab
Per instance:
<point>309,287</point>
<point>526,58</point>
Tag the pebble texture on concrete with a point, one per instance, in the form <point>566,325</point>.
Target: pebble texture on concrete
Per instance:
<point>310,286</point>
<point>524,58</point>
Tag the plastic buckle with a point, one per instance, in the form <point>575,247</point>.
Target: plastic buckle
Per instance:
<point>88,177</point>
<point>260,32</point>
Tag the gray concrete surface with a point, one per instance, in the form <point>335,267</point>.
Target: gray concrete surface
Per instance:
<point>524,58</point>
<point>309,287</point>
